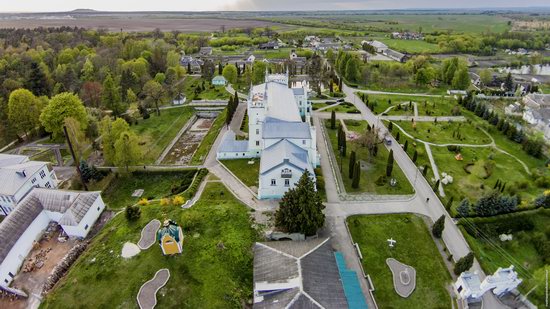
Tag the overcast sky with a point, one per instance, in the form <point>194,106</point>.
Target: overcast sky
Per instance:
<point>247,5</point>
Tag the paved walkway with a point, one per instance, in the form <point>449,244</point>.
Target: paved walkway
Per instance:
<point>435,170</point>
<point>395,93</point>
<point>147,295</point>
<point>452,237</point>
<point>149,234</point>
<point>238,119</point>
<point>404,277</point>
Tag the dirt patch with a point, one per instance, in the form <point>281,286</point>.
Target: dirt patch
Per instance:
<point>38,265</point>
<point>140,23</point>
<point>183,150</point>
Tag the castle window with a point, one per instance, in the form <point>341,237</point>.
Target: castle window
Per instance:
<point>273,182</point>
<point>257,143</point>
<point>257,131</point>
<point>287,182</point>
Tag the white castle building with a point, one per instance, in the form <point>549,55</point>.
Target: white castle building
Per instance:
<point>280,134</point>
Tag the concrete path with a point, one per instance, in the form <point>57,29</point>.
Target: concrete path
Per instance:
<point>404,277</point>
<point>329,106</point>
<point>395,93</point>
<point>452,237</point>
<point>238,119</point>
<point>424,118</point>
<point>147,295</point>
<point>149,234</point>
<point>435,170</point>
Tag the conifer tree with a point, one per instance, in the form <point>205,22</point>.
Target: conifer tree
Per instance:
<point>439,225</point>
<point>351,164</point>
<point>389,166</point>
<point>356,175</point>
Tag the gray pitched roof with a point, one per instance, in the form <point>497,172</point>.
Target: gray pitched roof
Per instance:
<point>12,177</point>
<point>318,273</point>
<point>15,224</point>
<point>8,159</point>
<point>230,144</point>
<point>281,152</point>
<point>298,91</point>
<point>275,128</point>
<point>279,101</point>
<point>74,206</point>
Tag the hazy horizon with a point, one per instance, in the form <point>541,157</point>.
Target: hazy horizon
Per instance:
<point>38,6</point>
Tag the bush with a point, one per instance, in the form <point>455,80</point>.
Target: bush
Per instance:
<point>143,202</point>
<point>133,212</point>
<point>381,181</point>
<point>192,190</point>
<point>464,264</point>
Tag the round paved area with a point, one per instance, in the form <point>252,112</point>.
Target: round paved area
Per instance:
<point>404,277</point>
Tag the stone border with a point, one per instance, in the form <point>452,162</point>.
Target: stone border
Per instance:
<point>402,289</point>
<point>156,290</point>
<point>146,229</point>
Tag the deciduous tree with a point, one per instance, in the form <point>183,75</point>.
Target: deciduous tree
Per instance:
<point>24,111</point>
<point>127,150</point>
<point>62,106</point>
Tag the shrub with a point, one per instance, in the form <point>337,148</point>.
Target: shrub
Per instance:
<point>439,225</point>
<point>178,200</point>
<point>143,202</point>
<point>381,181</point>
<point>164,201</point>
<point>133,212</point>
<point>464,264</point>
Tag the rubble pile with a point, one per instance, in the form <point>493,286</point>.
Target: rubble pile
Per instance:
<point>60,269</point>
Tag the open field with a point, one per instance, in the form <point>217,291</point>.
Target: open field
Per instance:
<point>213,271</point>
<point>411,46</point>
<point>526,228</point>
<point>136,23</point>
<point>444,132</point>
<point>373,169</point>
<point>157,132</point>
<point>155,185</point>
<point>414,247</point>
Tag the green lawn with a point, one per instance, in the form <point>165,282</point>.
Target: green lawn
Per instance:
<point>427,106</point>
<point>210,92</point>
<point>247,173</point>
<point>206,144</point>
<point>376,166</point>
<point>157,132</point>
<point>520,251</point>
<point>345,107</point>
<point>414,247</point>
<point>118,194</point>
<point>477,174</point>
<point>411,46</point>
<point>545,88</point>
<point>444,132</point>
<point>213,271</point>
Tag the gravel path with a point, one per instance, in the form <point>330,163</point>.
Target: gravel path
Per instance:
<point>147,295</point>
<point>148,234</point>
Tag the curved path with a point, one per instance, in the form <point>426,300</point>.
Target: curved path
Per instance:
<point>147,295</point>
<point>148,234</point>
<point>404,277</point>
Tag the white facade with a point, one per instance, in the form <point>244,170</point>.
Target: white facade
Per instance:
<point>280,133</point>
<point>18,176</point>
<point>75,212</point>
<point>15,258</point>
<point>469,287</point>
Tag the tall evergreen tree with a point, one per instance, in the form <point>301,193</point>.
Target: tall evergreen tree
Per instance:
<point>333,120</point>
<point>351,164</point>
<point>439,225</point>
<point>406,145</point>
<point>415,156</point>
<point>301,208</point>
<point>38,82</point>
<point>389,166</point>
<point>464,264</point>
<point>356,175</point>
<point>390,126</point>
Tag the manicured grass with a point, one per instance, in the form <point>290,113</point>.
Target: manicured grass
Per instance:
<point>214,93</point>
<point>345,107</point>
<point>206,144</point>
<point>118,193</point>
<point>477,174</point>
<point>247,173</point>
<point>427,106</point>
<point>520,251</point>
<point>412,46</point>
<point>414,247</point>
<point>444,132</point>
<point>376,166</point>
<point>545,88</point>
<point>213,271</point>
<point>157,132</point>
<point>210,92</point>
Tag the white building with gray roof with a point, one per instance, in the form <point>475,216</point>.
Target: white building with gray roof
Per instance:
<point>18,175</point>
<point>75,211</point>
<point>280,134</point>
